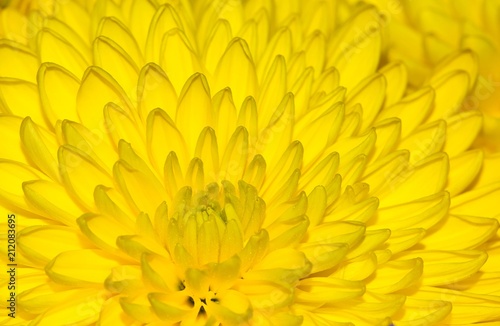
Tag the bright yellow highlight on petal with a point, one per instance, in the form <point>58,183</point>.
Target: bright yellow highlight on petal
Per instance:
<point>249,162</point>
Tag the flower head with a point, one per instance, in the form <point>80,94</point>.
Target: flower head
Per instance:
<point>238,163</point>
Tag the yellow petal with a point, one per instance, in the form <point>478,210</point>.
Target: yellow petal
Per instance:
<point>361,211</point>
<point>428,139</point>
<point>172,308</point>
<point>324,256</point>
<point>403,239</point>
<point>353,52</point>
<point>273,89</point>
<point>327,126</point>
<point>49,238</point>
<point>467,308</point>
<point>396,76</point>
<point>54,48</point>
<point>444,27</point>
<point>327,289</point>
<point>45,296</point>
<point>154,90</point>
<point>176,48</point>
<point>489,173</point>
<point>411,110</point>
<point>20,98</point>
<point>315,49</point>
<point>302,91</point>
<point>9,132</point>
<point>216,43</point>
<point>235,156</point>
<point>450,92</point>
<point>159,128</point>
<point>237,56</point>
<point>75,15</point>
<point>248,118</point>
<point>97,89</point>
<point>396,275</point>
<point>14,175</point>
<point>207,151</point>
<point>316,205</point>
<point>322,174</point>
<point>357,269</point>
<point>164,20</point>
<point>280,44</point>
<point>93,143</point>
<point>52,201</point>
<point>173,174</point>
<point>232,241</point>
<point>464,168</point>
<point>288,163</point>
<point>225,116</point>
<point>122,126</point>
<point>278,133</point>
<point>80,174</point>
<point>102,231</point>
<point>139,185</point>
<point>371,240</point>
<point>97,267</point>
<point>138,308</point>
<point>370,95</point>
<point>422,312</point>
<point>464,60</point>
<point>477,202</point>
<point>287,234</point>
<point>388,135</point>
<point>420,213</point>
<point>194,101</point>
<point>327,81</point>
<point>255,249</point>
<point>17,61</point>
<point>112,311</point>
<point>141,14</point>
<point>232,308</point>
<point>367,309</point>
<point>445,267</point>
<point>79,311</point>
<point>462,232</point>
<point>40,147</point>
<point>62,29</point>
<point>114,29</point>
<point>113,59</point>
<point>58,89</point>
<point>461,131</point>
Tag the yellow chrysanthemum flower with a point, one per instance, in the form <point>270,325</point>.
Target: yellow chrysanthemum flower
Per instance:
<point>423,33</point>
<point>237,163</point>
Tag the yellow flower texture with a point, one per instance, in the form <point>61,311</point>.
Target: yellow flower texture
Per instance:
<point>425,32</point>
<point>240,163</point>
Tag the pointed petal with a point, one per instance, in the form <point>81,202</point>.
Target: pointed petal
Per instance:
<point>97,89</point>
<point>194,101</point>
<point>160,128</point>
<point>20,98</point>
<point>54,48</point>
<point>237,57</point>
<point>176,48</point>
<point>154,90</point>
<point>58,90</point>
<point>97,267</point>
<point>52,201</point>
<point>111,57</point>
<point>49,238</point>
<point>80,174</point>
